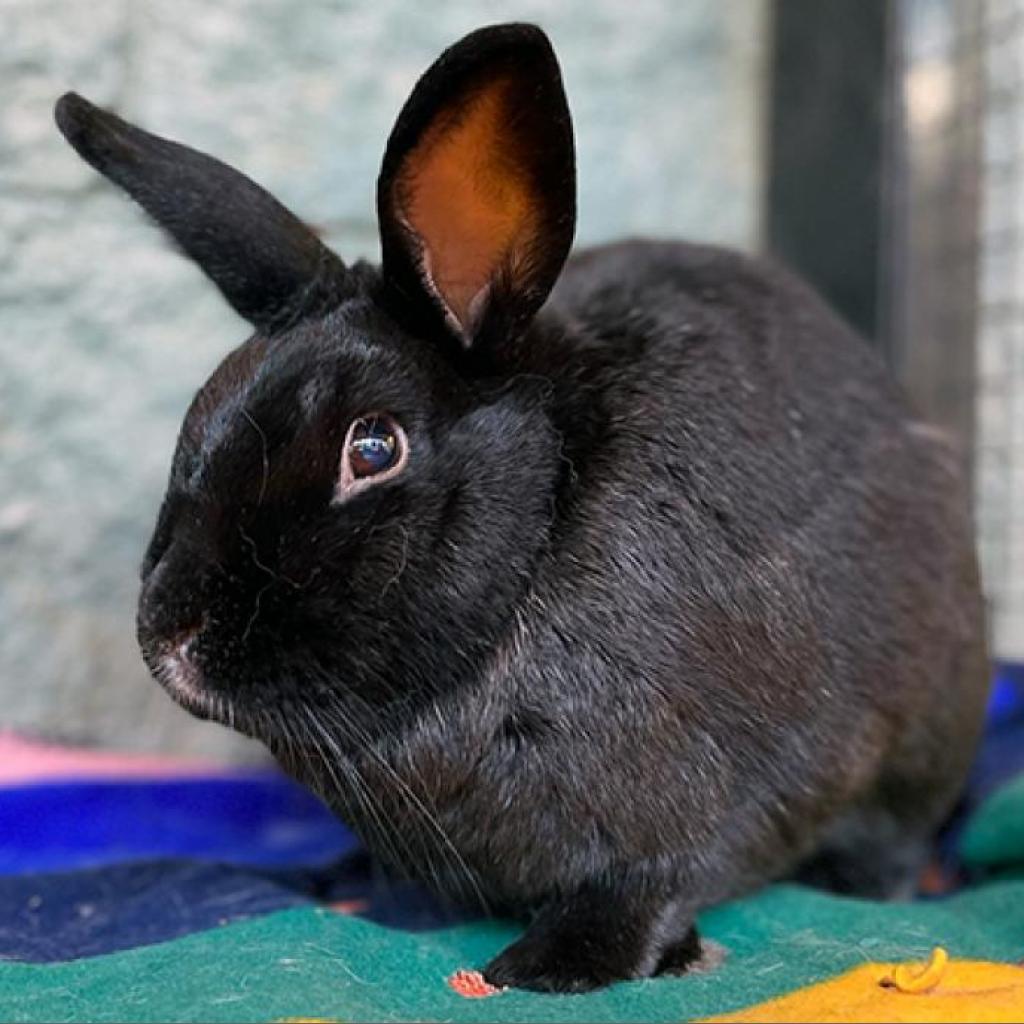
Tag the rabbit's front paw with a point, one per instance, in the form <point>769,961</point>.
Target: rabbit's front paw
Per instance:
<point>550,963</point>
<point>596,938</point>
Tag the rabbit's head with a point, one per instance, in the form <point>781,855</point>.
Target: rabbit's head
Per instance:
<point>358,491</point>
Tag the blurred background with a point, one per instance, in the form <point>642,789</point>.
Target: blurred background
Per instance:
<point>876,146</point>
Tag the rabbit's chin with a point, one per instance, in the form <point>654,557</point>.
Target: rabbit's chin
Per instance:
<point>175,670</point>
<point>185,683</point>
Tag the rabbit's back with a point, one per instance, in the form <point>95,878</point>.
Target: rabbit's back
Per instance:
<point>729,383</point>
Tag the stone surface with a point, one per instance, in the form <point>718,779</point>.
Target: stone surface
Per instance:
<point>106,331</point>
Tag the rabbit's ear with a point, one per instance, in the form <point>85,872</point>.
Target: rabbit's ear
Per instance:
<point>477,193</point>
<point>267,263</point>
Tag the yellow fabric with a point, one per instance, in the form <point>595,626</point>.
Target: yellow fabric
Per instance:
<point>940,990</point>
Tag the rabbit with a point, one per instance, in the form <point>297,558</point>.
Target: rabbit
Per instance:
<point>589,590</point>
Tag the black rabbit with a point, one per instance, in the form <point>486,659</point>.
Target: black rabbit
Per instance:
<point>597,613</point>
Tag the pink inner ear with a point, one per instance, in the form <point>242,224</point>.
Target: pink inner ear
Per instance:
<point>469,202</point>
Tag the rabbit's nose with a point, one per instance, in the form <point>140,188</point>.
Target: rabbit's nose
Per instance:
<point>176,667</point>
<point>179,655</point>
<point>171,602</point>
<point>183,646</point>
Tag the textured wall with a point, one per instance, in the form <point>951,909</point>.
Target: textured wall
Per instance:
<point>999,452</point>
<point>106,331</point>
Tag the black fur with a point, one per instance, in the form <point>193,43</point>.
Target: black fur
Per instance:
<point>268,265</point>
<point>673,594</point>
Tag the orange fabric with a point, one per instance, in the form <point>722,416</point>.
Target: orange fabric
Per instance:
<point>472,985</point>
<point>939,990</point>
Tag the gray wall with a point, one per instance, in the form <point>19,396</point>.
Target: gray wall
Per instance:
<point>106,331</point>
<point>999,452</point>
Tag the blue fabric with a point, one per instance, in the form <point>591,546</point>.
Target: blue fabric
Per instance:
<point>1001,756</point>
<point>86,913</point>
<point>259,819</point>
<point>71,915</point>
<point>1007,701</point>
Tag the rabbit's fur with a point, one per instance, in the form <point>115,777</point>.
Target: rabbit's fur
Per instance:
<point>673,596</point>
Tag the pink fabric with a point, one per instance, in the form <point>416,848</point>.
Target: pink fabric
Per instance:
<point>24,760</point>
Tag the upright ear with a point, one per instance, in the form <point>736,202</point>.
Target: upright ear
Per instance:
<point>267,263</point>
<point>477,193</point>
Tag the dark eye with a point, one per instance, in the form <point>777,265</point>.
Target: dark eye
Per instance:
<point>376,449</point>
<point>373,446</point>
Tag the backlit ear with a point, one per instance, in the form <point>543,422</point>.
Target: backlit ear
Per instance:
<point>477,194</point>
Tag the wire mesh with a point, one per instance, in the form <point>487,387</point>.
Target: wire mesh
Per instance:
<point>999,476</point>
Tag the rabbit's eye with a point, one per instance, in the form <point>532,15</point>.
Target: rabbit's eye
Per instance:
<point>375,449</point>
<point>373,445</point>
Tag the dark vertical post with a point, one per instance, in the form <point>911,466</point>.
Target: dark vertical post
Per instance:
<point>826,147</point>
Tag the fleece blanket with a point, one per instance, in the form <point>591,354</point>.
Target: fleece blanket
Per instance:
<point>142,890</point>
